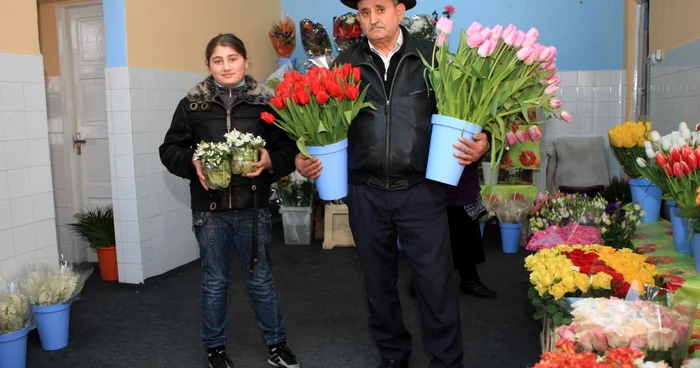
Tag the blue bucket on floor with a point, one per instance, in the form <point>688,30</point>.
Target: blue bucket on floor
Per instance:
<point>695,245</point>
<point>53,322</point>
<point>443,166</point>
<point>13,349</point>
<point>680,230</point>
<point>282,61</point>
<point>648,195</point>
<point>510,237</point>
<point>333,182</point>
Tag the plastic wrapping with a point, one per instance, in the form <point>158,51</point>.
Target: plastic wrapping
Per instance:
<point>420,26</point>
<point>15,309</point>
<point>314,38</point>
<point>215,163</point>
<point>46,285</point>
<point>569,234</point>
<point>283,37</point>
<point>346,31</point>
<point>217,176</point>
<point>294,190</point>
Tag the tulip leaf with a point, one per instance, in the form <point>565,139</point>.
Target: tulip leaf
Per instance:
<point>301,144</point>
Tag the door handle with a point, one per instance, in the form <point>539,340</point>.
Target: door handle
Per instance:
<point>77,142</point>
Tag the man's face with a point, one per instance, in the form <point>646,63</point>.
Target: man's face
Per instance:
<point>380,19</point>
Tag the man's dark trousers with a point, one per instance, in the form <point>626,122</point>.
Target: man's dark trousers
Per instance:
<point>419,215</point>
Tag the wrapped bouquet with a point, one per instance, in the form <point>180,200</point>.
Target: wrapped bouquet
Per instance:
<point>314,38</point>
<point>283,37</point>
<point>294,190</point>
<point>346,31</point>
<point>245,149</point>
<point>45,285</point>
<point>215,159</point>
<point>15,311</point>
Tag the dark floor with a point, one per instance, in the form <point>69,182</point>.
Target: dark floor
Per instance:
<point>158,324</point>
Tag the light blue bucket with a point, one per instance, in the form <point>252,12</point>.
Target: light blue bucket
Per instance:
<point>333,182</point>
<point>695,244</point>
<point>443,166</point>
<point>13,349</point>
<point>53,323</point>
<point>680,230</point>
<point>510,237</point>
<point>648,195</point>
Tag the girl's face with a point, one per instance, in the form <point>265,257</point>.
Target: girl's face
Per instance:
<point>227,66</point>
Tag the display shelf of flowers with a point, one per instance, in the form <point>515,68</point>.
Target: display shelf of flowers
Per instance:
<point>503,74</point>
<point>294,194</point>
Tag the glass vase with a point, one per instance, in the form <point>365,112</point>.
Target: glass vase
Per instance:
<point>242,159</point>
<point>219,176</point>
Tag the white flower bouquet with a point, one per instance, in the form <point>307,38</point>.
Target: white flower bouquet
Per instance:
<point>15,310</point>
<point>245,149</point>
<point>45,285</point>
<point>420,26</point>
<point>215,163</point>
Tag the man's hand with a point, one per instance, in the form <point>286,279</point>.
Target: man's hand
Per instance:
<point>264,163</point>
<point>200,174</point>
<point>309,168</point>
<point>471,151</point>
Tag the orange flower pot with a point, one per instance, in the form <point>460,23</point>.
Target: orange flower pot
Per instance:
<point>107,259</point>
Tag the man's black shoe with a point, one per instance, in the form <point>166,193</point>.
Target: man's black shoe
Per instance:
<point>477,289</point>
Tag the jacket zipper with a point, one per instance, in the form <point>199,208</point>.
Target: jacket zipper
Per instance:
<point>387,152</point>
<point>228,128</point>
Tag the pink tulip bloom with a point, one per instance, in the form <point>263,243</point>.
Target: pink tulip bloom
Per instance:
<point>496,32</point>
<point>522,137</point>
<point>509,30</point>
<point>486,32</point>
<point>524,53</point>
<point>487,48</point>
<point>532,58</point>
<point>551,89</point>
<point>534,132</point>
<point>444,25</point>
<point>556,80</point>
<point>566,116</point>
<point>555,102</point>
<point>547,54</point>
<point>520,39</point>
<point>510,38</point>
<point>474,28</point>
<point>441,39</point>
<point>475,40</point>
<point>511,138</point>
<point>548,66</point>
<point>531,37</point>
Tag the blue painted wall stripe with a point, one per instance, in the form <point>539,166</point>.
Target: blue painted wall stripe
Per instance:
<point>115,33</point>
<point>588,34</point>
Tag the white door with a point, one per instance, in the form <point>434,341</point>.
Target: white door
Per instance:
<point>85,46</point>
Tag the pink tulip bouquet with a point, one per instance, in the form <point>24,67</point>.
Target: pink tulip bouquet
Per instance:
<point>493,78</point>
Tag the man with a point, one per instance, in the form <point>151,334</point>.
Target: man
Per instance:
<point>388,192</point>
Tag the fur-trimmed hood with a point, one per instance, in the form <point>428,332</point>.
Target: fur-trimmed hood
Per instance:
<point>253,92</point>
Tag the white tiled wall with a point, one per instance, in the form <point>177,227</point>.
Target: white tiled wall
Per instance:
<point>674,90</point>
<point>596,99</point>
<point>27,217</point>
<point>152,213</point>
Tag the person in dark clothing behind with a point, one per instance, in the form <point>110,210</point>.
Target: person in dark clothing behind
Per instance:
<point>388,193</point>
<point>234,218</point>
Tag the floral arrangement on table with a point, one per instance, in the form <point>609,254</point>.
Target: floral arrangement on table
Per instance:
<point>567,356</point>
<point>583,270</point>
<point>561,209</point>
<point>245,149</point>
<point>502,72</point>
<point>627,143</point>
<point>45,285</point>
<point>317,109</point>
<point>600,324</point>
<point>283,37</point>
<point>216,163</point>
<point>346,31</point>
<point>294,190</point>
<point>15,310</point>
<point>672,162</point>
<point>619,222</point>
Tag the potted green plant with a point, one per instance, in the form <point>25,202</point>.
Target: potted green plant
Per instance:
<point>96,227</point>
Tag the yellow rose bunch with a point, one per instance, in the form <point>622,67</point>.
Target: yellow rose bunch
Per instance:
<point>553,272</point>
<point>629,134</point>
<point>632,266</point>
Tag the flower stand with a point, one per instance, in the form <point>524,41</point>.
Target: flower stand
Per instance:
<point>296,222</point>
<point>53,323</point>
<point>13,349</point>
